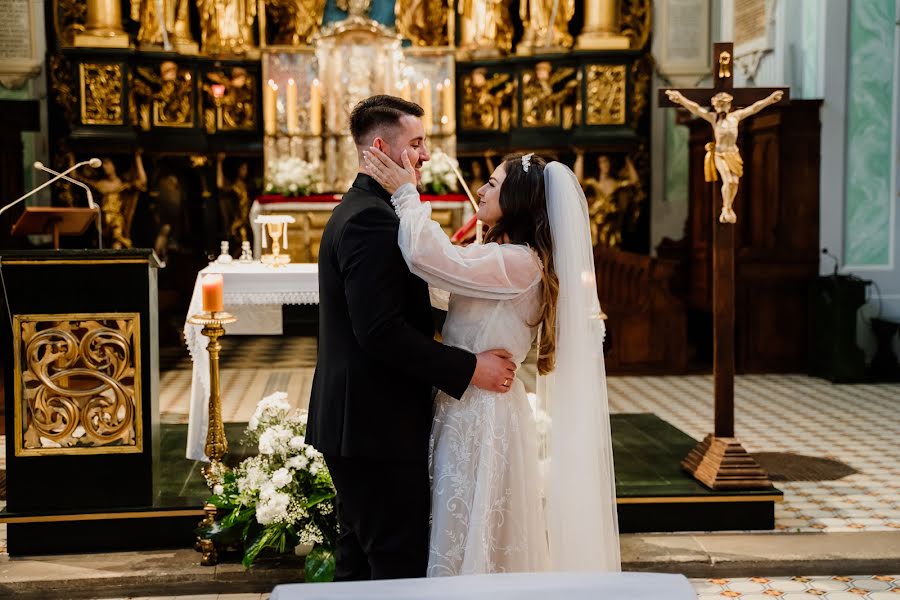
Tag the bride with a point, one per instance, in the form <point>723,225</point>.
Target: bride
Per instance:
<point>493,507</point>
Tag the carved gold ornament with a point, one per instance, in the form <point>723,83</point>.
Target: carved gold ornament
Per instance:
<point>606,94</point>
<point>77,384</point>
<point>724,65</point>
<point>101,93</point>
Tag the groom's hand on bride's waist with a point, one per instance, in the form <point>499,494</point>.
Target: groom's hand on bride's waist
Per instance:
<point>494,371</point>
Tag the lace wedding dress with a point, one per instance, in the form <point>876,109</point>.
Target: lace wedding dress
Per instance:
<point>487,511</point>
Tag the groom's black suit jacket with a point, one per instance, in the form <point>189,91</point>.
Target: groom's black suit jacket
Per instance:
<point>377,359</point>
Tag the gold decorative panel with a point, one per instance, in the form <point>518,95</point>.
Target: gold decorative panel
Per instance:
<point>164,94</point>
<point>77,384</point>
<point>101,93</point>
<point>548,96</point>
<point>488,100</point>
<point>606,95</point>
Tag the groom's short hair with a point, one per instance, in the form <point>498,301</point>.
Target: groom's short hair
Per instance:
<point>378,112</point>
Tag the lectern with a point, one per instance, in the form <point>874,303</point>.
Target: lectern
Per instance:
<point>81,379</point>
<point>57,221</point>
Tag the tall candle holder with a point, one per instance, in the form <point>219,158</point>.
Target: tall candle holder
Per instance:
<point>216,445</point>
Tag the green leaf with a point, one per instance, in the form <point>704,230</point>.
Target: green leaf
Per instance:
<point>319,566</point>
<point>264,540</point>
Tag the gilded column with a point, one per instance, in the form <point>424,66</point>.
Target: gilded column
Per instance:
<point>601,27</point>
<point>103,26</point>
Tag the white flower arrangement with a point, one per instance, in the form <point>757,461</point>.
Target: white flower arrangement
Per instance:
<point>437,174</point>
<point>292,176</point>
<point>283,497</point>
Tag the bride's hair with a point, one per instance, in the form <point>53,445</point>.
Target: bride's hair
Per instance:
<point>524,220</point>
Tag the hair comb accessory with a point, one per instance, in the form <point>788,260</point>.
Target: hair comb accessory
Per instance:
<point>526,161</point>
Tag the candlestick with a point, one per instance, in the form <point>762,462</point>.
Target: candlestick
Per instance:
<point>291,106</point>
<point>270,109</point>
<point>212,293</point>
<point>315,108</point>
<point>428,117</point>
<point>448,107</point>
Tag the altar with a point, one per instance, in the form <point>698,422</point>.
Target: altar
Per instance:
<point>254,293</point>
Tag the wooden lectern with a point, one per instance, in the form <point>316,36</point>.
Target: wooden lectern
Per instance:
<point>55,220</point>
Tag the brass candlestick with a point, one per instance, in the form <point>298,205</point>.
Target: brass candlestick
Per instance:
<point>216,444</point>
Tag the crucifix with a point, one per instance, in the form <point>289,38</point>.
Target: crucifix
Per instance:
<point>720,461</point>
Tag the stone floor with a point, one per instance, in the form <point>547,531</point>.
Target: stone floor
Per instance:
<point>855,425</point>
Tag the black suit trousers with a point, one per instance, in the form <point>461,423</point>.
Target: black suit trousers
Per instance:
<point>383,508</point>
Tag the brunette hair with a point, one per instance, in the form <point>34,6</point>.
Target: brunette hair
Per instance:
<point>524,220</point>
<point>379,111</point>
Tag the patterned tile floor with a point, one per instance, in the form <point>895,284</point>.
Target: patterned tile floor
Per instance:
<point>855,424</point>
<point>878,587</point>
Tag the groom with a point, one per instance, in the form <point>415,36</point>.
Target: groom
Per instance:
<point>370,409</point>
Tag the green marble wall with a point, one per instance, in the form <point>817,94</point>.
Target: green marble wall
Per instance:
<point>811,13</point>
<point>676,178</point>
<point>870,103</point>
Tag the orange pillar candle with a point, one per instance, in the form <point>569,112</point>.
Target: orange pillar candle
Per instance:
<point>212,293</point>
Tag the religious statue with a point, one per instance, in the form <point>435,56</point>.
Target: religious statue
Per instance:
<point>233,99</point>
<point>170,93</point>
<point>294,21</point>
<point>608,205</point>
<point>236,213</point>
<point>226,26</point>
<point>356,9</point>
<point>723,155</point>
<point>423,22</point>
<point>546,25</point>
<point>484,100</point>
<point>485,27</point>
<point>164,24</point>
<point>541,101</point>
<point>119,199</point>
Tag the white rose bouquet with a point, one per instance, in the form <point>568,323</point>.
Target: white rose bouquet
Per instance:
<point>281,498</point>
<point>437,174</point>
<point>291,176</point>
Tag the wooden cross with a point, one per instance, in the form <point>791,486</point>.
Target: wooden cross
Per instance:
<point>720,461</point>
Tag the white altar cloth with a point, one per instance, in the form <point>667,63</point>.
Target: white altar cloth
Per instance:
<point>501,586</point>
<point>254,293</point>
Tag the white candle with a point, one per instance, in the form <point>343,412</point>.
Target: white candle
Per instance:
<point>315,108</point>
<point>405,91</point>
<point>428,117</point>
<point>448,106</point>
<point>292,124</point>
<point>270,110</point>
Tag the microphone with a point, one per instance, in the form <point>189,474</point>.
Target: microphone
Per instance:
<point>94,162</point>
<point>81,184</point>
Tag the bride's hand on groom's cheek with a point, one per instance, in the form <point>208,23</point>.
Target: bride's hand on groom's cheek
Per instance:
<point>388,173</point>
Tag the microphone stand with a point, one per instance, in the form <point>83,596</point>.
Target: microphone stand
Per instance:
<point>87,189</point>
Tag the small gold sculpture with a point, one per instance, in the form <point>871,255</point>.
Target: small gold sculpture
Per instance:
<point>165,98</point>
<point>275,228</point>
<point>170,30</point>
<point>541,100</point>
<point>485,28</point>
<point>119,199</point>
<point>423,22</point>
<point>602,27</point>
<point>608,206</point>
<point>103,26</point>
<point>237,212</point>
<point>723,155</point>
<point>484,99</point>
<point>546,25</point>
<point>226,26</point>
<point>294,22</point>
<point>232,98</point>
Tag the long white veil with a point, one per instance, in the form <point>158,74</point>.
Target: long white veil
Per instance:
<point>581,492</point>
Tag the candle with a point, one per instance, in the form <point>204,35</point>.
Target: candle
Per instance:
<point>291,103</point>
<point>270,111</point>
<point>428,117</point>
<point>448,107</point>
<point>315,108</point>
<point>212,292</point>
<point>439,90</point>
<point>405,91</point>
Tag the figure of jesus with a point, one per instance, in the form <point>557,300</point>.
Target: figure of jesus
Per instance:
<point>723,155</point>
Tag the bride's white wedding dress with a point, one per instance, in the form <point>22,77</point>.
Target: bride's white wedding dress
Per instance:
<point>487,513</point>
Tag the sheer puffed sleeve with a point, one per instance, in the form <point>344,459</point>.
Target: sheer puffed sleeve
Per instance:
<point>494,271</point>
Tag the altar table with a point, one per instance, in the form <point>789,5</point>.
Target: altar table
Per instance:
<point>501,586</point>
<point>254,293</point>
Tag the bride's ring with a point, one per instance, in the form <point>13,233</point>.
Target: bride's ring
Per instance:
<point>506,383</point>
